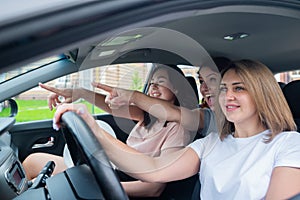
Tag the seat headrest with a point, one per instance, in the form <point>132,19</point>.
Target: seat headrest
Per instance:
<point>281,84</point>
<point>291,92</point>
<point>193,83</point>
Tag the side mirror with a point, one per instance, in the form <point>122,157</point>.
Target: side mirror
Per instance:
<point>8,108</point>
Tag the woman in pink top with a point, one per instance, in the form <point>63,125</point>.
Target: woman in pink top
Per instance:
<point>156,137</point>
<point>151,136</point>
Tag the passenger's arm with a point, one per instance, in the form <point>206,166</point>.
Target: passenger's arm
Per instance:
<point>284,183</point>
<point>174,166</point>
<point>71,95</point>
<point>189,119</point>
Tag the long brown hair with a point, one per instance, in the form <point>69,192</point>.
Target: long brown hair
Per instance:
<point>273,110</point>
<point>184,97</point>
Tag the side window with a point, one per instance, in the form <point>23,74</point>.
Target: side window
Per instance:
<point>33,103</point>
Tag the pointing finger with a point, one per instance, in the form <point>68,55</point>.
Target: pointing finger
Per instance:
<point>51,89</point>
<point>102,86</point>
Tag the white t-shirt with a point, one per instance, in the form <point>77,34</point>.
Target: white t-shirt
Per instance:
<point>240,168</point>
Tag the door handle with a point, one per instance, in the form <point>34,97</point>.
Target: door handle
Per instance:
<point>49,143</point>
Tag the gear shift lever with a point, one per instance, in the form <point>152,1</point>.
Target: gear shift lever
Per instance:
<point>45,173</point>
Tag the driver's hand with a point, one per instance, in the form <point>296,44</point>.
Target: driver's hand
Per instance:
<point>80,109</point>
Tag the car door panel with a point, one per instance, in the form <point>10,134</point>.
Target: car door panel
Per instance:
<point>37,136</point>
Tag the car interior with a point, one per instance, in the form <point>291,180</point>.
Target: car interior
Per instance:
<point>292,96</point>
<point>91,34</point>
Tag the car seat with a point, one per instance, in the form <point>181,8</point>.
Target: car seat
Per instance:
<point>281,84</point>
<point>188,188</point>
<point>291,92</point>
<point>193,84</point>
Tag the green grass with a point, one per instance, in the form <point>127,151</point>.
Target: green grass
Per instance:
<point>32,110</point>
<point>5,112</point>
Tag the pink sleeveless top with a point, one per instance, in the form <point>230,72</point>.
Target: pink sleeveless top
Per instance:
<point>158,138</point>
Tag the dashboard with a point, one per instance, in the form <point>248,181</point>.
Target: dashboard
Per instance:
<point>76,182</point>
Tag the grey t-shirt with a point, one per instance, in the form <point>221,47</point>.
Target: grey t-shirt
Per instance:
<point>210,124</point>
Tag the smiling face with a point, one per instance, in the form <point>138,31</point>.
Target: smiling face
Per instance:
<point>161,87</point>
<point>235,101</point>
<point>209,85</point>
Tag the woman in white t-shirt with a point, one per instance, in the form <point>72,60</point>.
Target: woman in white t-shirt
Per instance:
<point>256,155</point>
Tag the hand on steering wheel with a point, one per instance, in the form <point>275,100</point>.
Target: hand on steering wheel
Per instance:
<point>91,150</point>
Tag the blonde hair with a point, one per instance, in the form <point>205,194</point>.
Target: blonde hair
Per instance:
<point>272,107</point>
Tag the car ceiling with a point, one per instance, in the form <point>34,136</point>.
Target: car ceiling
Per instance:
<point>273,34</point>
<point>273,28</point>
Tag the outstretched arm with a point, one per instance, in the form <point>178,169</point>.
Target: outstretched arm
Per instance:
<point>174,166</point>
<point>71,95</point>
<point>189,119</point>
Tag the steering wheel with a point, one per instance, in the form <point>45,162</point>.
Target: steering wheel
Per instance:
<point>83,143</point>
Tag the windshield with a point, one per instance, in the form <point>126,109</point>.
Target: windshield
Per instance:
<point>22,70</point>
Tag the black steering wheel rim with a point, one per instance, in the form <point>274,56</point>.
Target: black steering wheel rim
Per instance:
<point>94,155</point>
